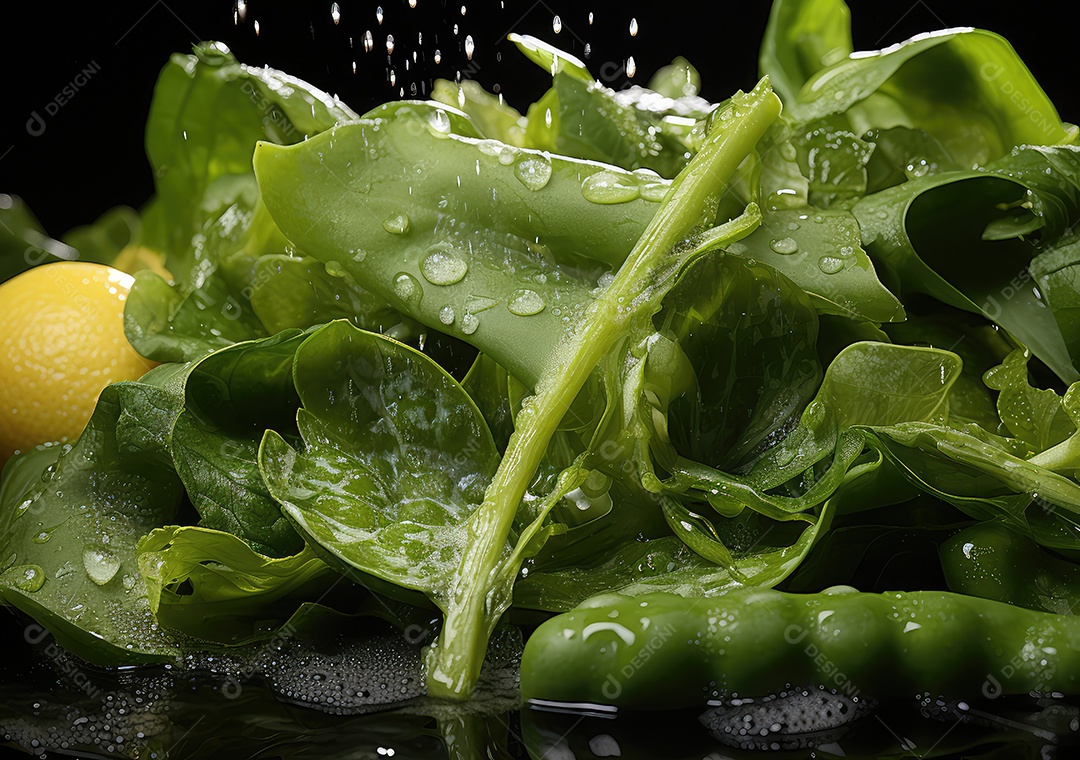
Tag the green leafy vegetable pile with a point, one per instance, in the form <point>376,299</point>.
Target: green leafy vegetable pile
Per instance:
<point>634,342</point>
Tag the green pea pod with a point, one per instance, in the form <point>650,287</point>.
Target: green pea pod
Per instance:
<point>662,651</point>
<point>990,561</point>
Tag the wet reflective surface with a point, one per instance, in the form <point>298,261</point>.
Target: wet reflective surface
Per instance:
<point>340,702</point>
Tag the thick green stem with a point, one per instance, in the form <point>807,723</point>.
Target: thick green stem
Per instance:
<point>477,598</point>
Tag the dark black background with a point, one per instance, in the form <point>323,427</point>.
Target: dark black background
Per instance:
<point>90,156</point>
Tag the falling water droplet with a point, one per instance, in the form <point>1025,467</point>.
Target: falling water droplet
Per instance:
<point>525,303</point>
<point>379,15</point>
<point>588,49</point>
<point>412,3</point>
<point>335,13</point>
<point>633,27</point>
<point>389,44</point>
<point>534,172</point>
<point>443,266</point>
<point>257,28</point>
<point>101,565</point>
<point>369,41</point>
<point>631,67</point>
<point>470,46</point>
<point>784,246</point>
<point>590,18</point>
<point>556,24</point>
<point>438,56</point>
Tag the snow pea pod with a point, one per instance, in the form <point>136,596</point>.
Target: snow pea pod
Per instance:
<point>662,651</point>
<point>990,561</point>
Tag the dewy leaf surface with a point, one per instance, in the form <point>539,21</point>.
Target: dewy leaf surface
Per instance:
<point>394,459</point>
<point>460,233</point>
<point>71,534</point>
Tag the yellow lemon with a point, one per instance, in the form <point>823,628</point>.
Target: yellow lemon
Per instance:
<point>61,342</point>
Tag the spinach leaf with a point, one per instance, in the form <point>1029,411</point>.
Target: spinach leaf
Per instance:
<point>211,587</point>
<point>207,115</point>
<point>748,333</point>
<point>914,230</point>
<point>71,534</point>
<point>966,87</point>
<point>395,457</point>
<point>231,397</point>
<point>580,117</point>
<point>801,38</point>
<point>493,117</point>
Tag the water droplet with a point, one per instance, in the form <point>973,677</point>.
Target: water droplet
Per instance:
<point>446,315</point>
<point>408,289</point>
<point>525,303</point>
<point>784,246</point>
<point>608,187</point>
<point>398,224</point>
<point>412,3</point>
<point>100,565</point>
<point>470,46</point>
<point>556,24</point>
<point>389,44</point>
<point>631,67</point>
<point>830,264</point>
<point>438,56</point>
<point>379,14</point>
<point>443,266</point>
<point>439,122</point>
<point>588,49</point>
<point>477,304</point>
<point>534,171</point>
<point>335,13</point>
<point>547,117</point>
<point>369,41</point>
<point>28,578</point>
<point>43,536</point>
<point>23,508</point>
<point>469,323</point>
<point>633,29</point>
<point>655,191</point>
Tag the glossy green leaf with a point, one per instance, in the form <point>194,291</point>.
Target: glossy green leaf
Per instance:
<point>70,535</point>
<point>395,458</point>
<point>801,38</point>
<point>211,587</point>
<point>469,244</point>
